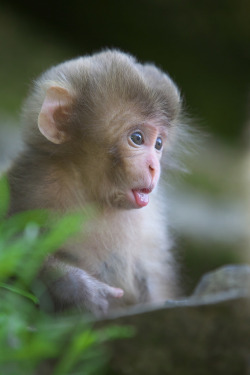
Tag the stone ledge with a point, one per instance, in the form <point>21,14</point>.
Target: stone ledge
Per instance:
<point>207,333</point>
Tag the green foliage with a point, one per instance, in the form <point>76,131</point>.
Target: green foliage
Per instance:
<point>31,341</point>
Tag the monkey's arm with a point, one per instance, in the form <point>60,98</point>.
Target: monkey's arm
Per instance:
<point>71,286</point>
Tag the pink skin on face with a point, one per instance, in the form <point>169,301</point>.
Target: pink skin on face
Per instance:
<point>139,196</point>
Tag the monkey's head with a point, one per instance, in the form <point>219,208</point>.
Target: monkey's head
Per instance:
<point>110,119</point>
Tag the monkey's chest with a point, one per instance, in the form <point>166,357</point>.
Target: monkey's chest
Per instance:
<point>119,251</point>
<point>116,262</point>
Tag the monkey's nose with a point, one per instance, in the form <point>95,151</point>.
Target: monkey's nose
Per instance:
<point>152,170</point>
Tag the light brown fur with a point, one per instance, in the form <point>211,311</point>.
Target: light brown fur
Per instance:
<point>83,157</point>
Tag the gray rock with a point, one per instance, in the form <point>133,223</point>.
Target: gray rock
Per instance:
<point>206,333</point>
<point>228,279</point>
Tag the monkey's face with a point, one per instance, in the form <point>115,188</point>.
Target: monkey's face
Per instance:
<point>117,160</point>
<point>116,154</point>
<point>135,165</point>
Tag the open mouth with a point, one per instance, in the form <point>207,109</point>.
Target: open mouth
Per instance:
<point>141,196</point>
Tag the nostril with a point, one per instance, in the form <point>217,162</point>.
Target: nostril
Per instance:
<point>151,170</point>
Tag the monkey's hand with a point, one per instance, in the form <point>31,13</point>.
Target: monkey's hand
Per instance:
<point>69,286</point>
<point>97,296</point>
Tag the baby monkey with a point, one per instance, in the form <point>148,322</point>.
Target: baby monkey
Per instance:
<point>97,129</point>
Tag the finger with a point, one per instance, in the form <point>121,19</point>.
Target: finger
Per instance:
<point>116,292</point>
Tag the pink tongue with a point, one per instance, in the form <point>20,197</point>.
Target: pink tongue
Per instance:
<point>141,198</point>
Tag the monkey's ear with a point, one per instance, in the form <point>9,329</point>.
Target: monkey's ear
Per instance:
<point>54,114</point>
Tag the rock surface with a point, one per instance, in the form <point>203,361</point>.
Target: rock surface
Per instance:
<point>206,333</point>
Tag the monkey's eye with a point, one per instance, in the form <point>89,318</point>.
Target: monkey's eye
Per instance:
<point>137,138</point>
<point>158,143</point>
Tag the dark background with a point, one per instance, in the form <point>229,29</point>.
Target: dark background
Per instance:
<point>204,45</point>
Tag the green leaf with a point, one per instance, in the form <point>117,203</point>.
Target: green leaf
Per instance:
<point>80,344</point>
<point>21,292</point>
<point>18,222</point>
<point>61,230</point>
<point>116,332</point>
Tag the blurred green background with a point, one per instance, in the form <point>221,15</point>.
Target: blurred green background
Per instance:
<point>205,47</point>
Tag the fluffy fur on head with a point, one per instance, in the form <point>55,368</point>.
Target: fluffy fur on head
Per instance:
<point>110,93</point>
<point>105,86</point>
